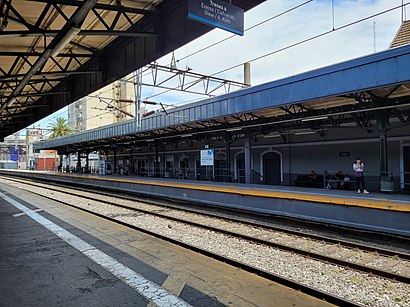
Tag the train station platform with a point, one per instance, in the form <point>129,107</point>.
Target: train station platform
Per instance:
<point>388,213</point>
<point>55,255</point>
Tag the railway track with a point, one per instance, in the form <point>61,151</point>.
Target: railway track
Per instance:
<point>349,256</point>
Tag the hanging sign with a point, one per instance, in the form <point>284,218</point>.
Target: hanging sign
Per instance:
<point>218,14</point>
<point>207,157</point>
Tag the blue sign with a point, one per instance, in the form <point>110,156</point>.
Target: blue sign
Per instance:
<point>15,153</point>
<point>207,157</point>
<point>218,14</point>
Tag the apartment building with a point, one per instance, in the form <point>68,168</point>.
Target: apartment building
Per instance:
<point>113,103</point>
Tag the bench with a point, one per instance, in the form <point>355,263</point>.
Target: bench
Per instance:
<point>304,181</point>
<point>337,184</point>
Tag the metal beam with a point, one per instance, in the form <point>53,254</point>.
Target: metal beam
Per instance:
<point>117,33</point>
<point>187,79</point>
<point>57,43</point>
<point>43,14</point>
<point>19,19</point>
<point>86,48</point>
<point>48,73</point>
<point>125,54</point>
<point>42,94</point>
<point>62,55</point>
<point>81,33</point>
<point>100,6</point>
<point>27,106</point>
<point>14,116</point>
<point>28,33</point>
<point>48,80</point>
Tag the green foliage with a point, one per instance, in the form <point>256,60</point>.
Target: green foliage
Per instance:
<point>59,127</point>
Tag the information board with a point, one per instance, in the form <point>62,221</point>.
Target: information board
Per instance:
<point>207,157</point>
<point>217,13</point>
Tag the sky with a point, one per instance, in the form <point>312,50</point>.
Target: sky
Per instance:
<point>318,17</point>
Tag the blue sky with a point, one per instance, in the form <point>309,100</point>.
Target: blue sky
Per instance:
<point>313,18</point>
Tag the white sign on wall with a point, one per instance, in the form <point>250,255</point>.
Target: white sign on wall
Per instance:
<point>207,157</point>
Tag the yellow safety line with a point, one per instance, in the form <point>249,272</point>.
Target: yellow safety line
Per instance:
<point>385,204</point>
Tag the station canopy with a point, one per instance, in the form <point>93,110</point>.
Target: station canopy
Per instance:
<point>370,93</point>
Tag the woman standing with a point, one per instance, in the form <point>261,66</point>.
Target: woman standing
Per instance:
<point>358,168</point>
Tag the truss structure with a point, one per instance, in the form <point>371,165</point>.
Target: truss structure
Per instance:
<point>42,42</point>
<point>174,79</point>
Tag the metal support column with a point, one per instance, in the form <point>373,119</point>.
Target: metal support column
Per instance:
<point>163,163</point>
<point>384,171</point>
<point>248,163</point>
<point>156,162</point>
<point>114,171</point>
<point>79,161</point>
<point>386,183</point>
<point>382,118</point>
<point>60,164</point>
<point>131,165</point>
<point>247,74</point>
<point>228,162</point>
<point>137,89</point>
<point>87,165</point>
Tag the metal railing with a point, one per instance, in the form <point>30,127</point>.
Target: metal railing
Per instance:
<point>257,177</point>
<point>200,173</point>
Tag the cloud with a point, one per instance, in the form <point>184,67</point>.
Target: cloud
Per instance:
<point>310,20</point>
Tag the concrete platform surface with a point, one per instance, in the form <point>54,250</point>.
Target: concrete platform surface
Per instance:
<point>379,212</point>
<point>377,200</point>
<point>53,255</point>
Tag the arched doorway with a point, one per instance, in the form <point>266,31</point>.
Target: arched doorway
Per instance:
<point>271,168</point>
<point>169,167</point>
<point>240,167</point>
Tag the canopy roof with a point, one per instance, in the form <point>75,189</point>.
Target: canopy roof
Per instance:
<point>356,92</point>
<point>53,52</point>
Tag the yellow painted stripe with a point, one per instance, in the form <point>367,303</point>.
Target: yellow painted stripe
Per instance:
<point>384,204</point>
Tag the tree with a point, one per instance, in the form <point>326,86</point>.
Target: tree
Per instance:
<point>59,127</point>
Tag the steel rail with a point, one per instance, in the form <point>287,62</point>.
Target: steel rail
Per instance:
<point>271,276</point>
<point>296,250</point>
<point>166,203</point>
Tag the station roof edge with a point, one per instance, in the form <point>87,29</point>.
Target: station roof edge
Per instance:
<point>348,64</point>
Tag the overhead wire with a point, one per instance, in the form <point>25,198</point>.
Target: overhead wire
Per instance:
<point>312,38</point>
<point>297,43</point>
<point>53,115</point>
<point>246,30</point>
<point>334,29</point>
<point>232,36</point>
<point>146,71</point>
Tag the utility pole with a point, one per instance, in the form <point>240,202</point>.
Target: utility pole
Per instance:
<point>374,35</point>
<point>137,89</point>
<point>247,74</point>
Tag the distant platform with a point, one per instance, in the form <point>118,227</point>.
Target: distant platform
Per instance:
<point>376,211</point>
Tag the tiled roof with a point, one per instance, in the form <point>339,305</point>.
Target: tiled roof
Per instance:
<point>402,36</point>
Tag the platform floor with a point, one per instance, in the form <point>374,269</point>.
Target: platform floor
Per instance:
<point>401,199</point>
<point>42,263</point>
<point>397,197</point>
<point>380,212</point>
<point>377,200</point>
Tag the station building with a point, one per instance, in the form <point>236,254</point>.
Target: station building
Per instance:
<point>275,133</point>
